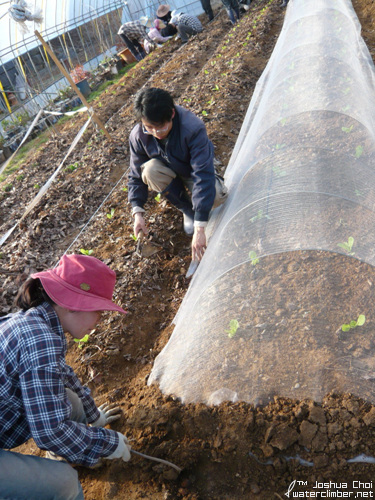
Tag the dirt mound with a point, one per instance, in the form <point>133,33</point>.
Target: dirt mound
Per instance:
<point>231,451</point>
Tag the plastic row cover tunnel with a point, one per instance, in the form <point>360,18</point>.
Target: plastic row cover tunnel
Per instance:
<point>291,254</point>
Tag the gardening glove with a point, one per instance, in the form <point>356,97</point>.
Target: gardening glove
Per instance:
<point>122,450</point>
<point>108,413</point>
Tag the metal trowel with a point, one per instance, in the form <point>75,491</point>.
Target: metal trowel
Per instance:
<point>192,268</point>
<point>144,247</point>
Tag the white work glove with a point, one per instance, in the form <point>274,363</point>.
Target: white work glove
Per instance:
<point>122,450</point>
<point>108,413</point>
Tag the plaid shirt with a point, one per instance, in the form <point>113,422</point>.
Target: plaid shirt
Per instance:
<point>33,400</point>
<point>191,21</point>
<point>134,30</point>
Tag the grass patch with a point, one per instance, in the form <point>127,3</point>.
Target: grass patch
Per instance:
<point>17,161</point>
<point>43,137</point>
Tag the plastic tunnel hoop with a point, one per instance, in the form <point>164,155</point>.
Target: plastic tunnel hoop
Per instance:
<point>291,254</point>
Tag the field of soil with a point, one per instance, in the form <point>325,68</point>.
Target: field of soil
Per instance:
<point>231,451</point>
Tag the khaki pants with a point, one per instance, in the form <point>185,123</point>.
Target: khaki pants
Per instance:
<point>158,176</point>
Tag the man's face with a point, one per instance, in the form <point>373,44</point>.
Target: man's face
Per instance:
<point>158,130</point>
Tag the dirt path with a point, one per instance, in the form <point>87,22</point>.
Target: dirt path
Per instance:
<point>228,452</point>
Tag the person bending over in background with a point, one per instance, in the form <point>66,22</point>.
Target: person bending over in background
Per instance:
<point>155,36</point>
<point>171,154</point>
<point>133,33</point>
<point>164,14</point>
<point>40,395</point>
<point>186,25</point>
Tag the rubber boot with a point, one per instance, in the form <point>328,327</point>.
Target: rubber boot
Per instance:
<point>176,194</point>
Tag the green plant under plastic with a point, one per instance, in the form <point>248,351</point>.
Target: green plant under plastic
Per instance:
<point>233,327</point>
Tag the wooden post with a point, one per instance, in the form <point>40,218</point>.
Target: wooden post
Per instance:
<point>74,86</point>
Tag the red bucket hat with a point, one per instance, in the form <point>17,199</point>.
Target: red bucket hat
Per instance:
<point>80,283</point>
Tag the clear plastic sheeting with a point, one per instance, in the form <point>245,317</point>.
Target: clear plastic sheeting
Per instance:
<point>291,254</point>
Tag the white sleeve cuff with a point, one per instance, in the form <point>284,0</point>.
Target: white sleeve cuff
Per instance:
<point>136,210</point>
<point>200,223</point>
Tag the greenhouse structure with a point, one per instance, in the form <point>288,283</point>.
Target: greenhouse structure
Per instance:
<point>81,34</point>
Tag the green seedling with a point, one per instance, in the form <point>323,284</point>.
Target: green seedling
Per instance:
<point>125,189</point>
<point>283,122</point>
<point>347,245</point>
<point>86,252</point>
<point>254,258</point>
<point>259,216</point>
<point>216,87</point>
<point>72,167</point>
<point>206,71</point>
<point>360,321</point>
<point>82,341</point>
<point>347,129</point>
<point>277,170</point>
<point>280,146</point>
<point>233,327</point>
<point>111,213</point>
<point>158,197</point>
<point>204,113</point>
<point>20,177</point>
<point>133,236</point>
<point>358,151</point>
<point>36,186</point>
<point>100,104</point>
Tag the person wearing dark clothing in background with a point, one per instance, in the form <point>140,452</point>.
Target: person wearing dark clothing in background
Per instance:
<point>206,5</point>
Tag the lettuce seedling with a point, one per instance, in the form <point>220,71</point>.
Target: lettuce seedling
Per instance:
<point>82,341</point>
<point>360,321</point>
<point>158,198</point>
<point>111,214</point>
<point>347,245</point>
<point>254,258</point>
<point>86,252</point>
<point>233,327</point>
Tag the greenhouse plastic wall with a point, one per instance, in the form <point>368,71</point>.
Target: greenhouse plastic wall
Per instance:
<point>290,256</point>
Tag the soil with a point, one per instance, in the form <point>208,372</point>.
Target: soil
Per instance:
<point>229,451</point>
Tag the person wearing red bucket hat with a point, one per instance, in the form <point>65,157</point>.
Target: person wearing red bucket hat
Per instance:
<point>40,395</point>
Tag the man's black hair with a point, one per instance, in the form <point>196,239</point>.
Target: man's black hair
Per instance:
<point>154,105</point>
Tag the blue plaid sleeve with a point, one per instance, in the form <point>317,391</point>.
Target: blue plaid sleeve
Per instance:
<point>48,411</point>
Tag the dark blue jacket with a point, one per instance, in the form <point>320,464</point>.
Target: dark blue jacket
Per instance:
<point>188,152</point>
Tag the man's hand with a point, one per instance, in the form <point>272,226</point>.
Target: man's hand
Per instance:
<point>139,224</point>
<point>108,413</point>
<point>198,244</point>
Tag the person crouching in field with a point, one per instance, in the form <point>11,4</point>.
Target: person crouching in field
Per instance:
<point>40,395</point>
